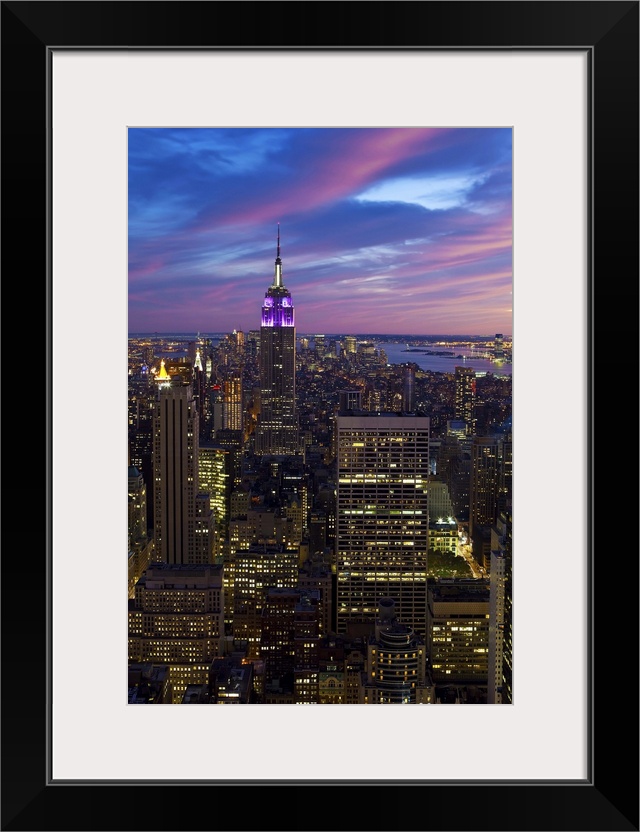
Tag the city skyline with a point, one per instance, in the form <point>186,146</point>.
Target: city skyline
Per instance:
<point>338,546</point>
<point>306,563</point>
<point>392,231</point>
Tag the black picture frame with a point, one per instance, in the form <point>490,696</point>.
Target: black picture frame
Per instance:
<point>608,799</point>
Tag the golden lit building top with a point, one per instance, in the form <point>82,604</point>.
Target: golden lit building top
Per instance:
<point>162,377</point>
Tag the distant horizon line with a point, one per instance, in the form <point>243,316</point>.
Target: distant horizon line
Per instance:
<point>191,334</point>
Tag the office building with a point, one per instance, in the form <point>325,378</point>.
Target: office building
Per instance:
<point>505,475</point>
<point>257,569</point>
<point>141,544</point>
<point>232,412</point>
<point>214,477</point>
<point>465,392</point>
<point>289,643</point>
<point>382,517</point>
<point>409,389</point>
<point>306,641</point>
<point>350,345</point>
<point>349,400</point>
<point>137,506</point>
<point>176,618</point>
<point>458,633</point>
<point>440,505</point>
<point>485,482</point>
<point>396,670</point>
<point>500,684</point>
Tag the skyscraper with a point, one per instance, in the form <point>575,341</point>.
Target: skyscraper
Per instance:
<point>458,634</point>
<point>140,543</point>
<point>175,473</point>
<point>409,389</point>
<point>466,397</point>
<point>501,612</point>
<point>350,345</point>
<point>485,479</point>
<point>214,477</point>
<point>277,429</point>
<point>137,513</point>
<point>199,383</point>
<point>382,517</point>
<point>232,414</point>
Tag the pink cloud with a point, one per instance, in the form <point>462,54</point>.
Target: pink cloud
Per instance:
<point>358,161</point>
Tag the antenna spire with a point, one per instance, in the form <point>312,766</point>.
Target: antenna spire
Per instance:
<point>277,280</point>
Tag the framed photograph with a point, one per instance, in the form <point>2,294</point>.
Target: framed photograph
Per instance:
<point>563,77</point>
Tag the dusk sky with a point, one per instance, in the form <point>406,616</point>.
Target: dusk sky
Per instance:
<point>393,230</point>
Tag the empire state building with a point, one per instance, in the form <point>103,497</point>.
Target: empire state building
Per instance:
<point>277,429</point>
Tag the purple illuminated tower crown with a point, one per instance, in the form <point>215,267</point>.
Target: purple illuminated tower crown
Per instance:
<point>277,430</point>
<point>277,308</point>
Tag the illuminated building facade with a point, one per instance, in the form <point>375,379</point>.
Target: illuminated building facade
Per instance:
<point>350,345</point>
<point>382,517</point>
<point>140,421</point>
<point>257,569</point>
<point>306,641</point>
<point>500,685</point>
<point>458,633</point>
<point>176,618</point>
<point>277,428</point>
<point>465,380</point>
<point>440,505</point>
<point>140,550</point>
<point>443,535</point>
<point>505,484</point>
<point>137,506</point>
<point>396,671</point>
<point>214,477</point>
<point>140,556</point>
<point>289,643</point>
<point>232,413</point>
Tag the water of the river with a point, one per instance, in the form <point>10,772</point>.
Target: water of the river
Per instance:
<point>444,364</point>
